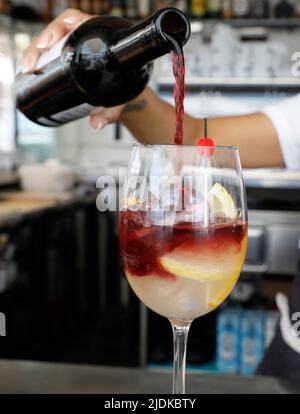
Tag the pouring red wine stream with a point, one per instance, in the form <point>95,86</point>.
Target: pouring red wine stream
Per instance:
<point>178,63</point>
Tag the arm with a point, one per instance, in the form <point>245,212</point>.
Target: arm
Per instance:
<point>152,121</point>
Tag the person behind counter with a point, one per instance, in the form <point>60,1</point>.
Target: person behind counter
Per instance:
<point>270,138</point>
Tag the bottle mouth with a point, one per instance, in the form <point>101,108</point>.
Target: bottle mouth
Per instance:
<point>173,23</point>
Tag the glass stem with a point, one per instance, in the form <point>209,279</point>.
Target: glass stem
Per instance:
<point>180,337</point>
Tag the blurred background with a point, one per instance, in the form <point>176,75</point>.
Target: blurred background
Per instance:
<point>62,288</point>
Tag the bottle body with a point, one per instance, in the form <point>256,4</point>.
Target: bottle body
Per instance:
<point>260,9</point>
<point>198,8</point>
<point>214,9</point>
<point>240,8</point>
<point>284,9</point>
<point>227,9</point>
<point>106,62</point>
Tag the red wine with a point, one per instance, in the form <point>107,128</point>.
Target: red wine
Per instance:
<point>142,247</point>
<point>106,62</point>
<point>178,64</point>
<point>179,93</point>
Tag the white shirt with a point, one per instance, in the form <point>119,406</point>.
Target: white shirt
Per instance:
<point>285,116</point>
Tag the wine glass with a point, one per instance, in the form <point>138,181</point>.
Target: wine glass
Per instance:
<point>183,233</point>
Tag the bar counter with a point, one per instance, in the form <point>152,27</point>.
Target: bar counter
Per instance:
<point>18,377</point>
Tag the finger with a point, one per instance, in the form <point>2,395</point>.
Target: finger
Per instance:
<point>29,59</point>
<point>67,22</point>
<point>104,116</point>
<point>98,121</point>
<point>60,27</point>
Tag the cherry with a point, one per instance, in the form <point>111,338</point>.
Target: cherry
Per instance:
<point>209,144</point>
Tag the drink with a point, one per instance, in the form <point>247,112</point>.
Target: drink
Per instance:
<point>59,7</point>
<point>105,6</point>
<point>161,4</point>
<point>107,61</point>
<point>240,8</point>
<point>260,9</point>
<point>116,8</point>
<point>183,233</point>
<point>85,6</point>
<point>5,6</point>
<point>179,91</point>
<point>228,346</point>
<point>144,8</point>
<point>181,271</point>
<point>297,9</point>
<point>214,8</point>
<point>227,9</point>
<point>284,9</point>
<point>252,341</point>
<point>182,5</point>
<point>198,8</point>
<point>131,9</point>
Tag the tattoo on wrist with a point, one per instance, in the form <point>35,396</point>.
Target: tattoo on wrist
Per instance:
<point>135,106</point>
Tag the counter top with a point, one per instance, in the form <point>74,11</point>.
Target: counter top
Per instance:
<point>45,378</point>
<point>7,179</point>
<point>16,205</point>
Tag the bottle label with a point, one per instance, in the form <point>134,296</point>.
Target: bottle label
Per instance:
<point>213,6</point>
<point>198,7</point>
<point>227,10</point>
<point>68,115</point>
<point>52,54</point>
<point>144,8</point>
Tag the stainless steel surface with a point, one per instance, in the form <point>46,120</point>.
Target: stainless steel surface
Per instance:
<point>277,242</point>
<point>272,178</point>
<point>41,378</point>
<point>256,243</point>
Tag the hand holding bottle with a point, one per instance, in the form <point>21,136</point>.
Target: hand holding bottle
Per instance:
<point>91,61</point>
<point>56,30</point>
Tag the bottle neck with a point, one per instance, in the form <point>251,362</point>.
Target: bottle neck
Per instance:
<point>141,46</point>
<point>152,38</point>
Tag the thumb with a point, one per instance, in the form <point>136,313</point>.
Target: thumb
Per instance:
<point>101,117</point>
<point>98,119</point>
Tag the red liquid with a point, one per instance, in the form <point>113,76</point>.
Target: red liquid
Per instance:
<point>179,92</point>
<point>142,247</point>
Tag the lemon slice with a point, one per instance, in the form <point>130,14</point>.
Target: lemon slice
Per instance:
<point>225,291</point>
<point>190,270</point>
<point>222,202</point>
<point>189,265</point>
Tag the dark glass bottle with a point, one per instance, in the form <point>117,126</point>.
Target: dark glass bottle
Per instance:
<point>116,8</point>
<point>131,10</point>
<point>5,6</point>
<point>214,9</point>
<point>260,9</point>
<point>198,8</point>
<point>227,9</point>
<point>240,8</point>
<point>284,9</point>
<point>106,62</point>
